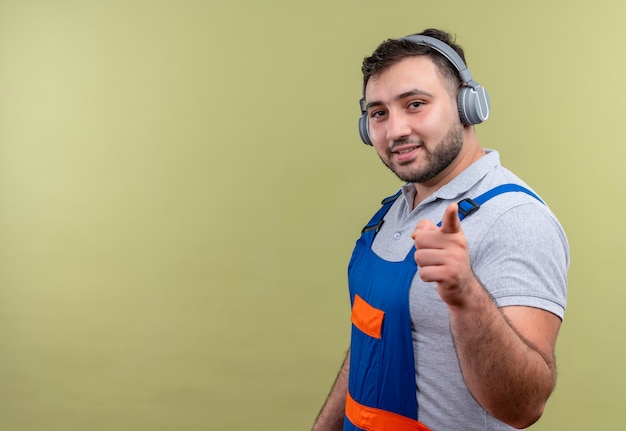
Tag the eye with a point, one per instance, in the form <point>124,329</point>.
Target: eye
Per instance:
<point>416,104</point>
<point>377,114</point>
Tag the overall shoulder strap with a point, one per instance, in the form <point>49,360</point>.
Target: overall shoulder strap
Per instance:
<point>468,206</point>
<point>377,221</point>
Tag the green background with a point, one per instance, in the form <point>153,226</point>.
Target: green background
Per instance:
<point>181,184</point>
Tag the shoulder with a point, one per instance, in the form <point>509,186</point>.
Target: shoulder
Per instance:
<point>520,254</point>
<point>512,213</point>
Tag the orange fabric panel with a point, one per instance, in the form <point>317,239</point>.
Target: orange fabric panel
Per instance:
<point>367,318</point>
<point>371,419</point>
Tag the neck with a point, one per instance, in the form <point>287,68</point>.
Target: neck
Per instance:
<point>470,152</point>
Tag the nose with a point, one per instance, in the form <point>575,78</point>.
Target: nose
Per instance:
<point>397,126</point>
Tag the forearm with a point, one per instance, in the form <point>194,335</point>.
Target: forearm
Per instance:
<point>331,415</point>
<point>508,376</point>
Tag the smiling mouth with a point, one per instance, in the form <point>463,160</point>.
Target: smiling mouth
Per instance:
<point>405,154</point>
<point>404,150</point>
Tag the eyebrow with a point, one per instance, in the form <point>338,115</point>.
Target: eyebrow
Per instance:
<point>401,96</point>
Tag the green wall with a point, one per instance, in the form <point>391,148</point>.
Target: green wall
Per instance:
<point>181,183</point>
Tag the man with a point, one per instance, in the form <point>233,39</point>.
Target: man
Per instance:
<point>454,324</point>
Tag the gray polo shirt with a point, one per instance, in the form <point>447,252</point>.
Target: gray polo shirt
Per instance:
<point>519,252</point>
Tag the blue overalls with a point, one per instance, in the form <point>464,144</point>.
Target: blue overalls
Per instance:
<point>381,386</point>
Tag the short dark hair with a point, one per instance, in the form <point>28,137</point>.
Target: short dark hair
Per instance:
<point>392,51</point>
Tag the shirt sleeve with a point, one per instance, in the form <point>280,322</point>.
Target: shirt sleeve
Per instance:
<point>523,259</point>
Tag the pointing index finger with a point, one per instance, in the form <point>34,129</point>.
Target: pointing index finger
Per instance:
<point>450,222</point>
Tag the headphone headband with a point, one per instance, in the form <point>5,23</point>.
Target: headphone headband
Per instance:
<point>444,49</point>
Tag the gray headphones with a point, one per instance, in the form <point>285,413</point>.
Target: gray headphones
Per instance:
<point>472,102</point>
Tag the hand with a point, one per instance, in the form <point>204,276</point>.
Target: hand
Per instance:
<point>443,257</point>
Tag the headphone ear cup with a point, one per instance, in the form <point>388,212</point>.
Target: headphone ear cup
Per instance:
<point>473,104</point>
<point>364,129</point>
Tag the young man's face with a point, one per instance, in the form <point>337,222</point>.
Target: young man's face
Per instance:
<point>414,123</point>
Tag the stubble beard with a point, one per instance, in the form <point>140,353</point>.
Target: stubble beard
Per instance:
<point>436,159</point>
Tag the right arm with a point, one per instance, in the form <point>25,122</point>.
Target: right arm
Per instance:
<point>332,414</point>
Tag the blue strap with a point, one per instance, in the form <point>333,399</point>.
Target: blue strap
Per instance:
<point>468,206</point>
<point>377,221</point>
<point>505,188</point>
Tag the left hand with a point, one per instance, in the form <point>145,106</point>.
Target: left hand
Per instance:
<point>442,256</point>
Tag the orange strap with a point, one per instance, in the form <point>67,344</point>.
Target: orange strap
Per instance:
<point>371,419</point>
